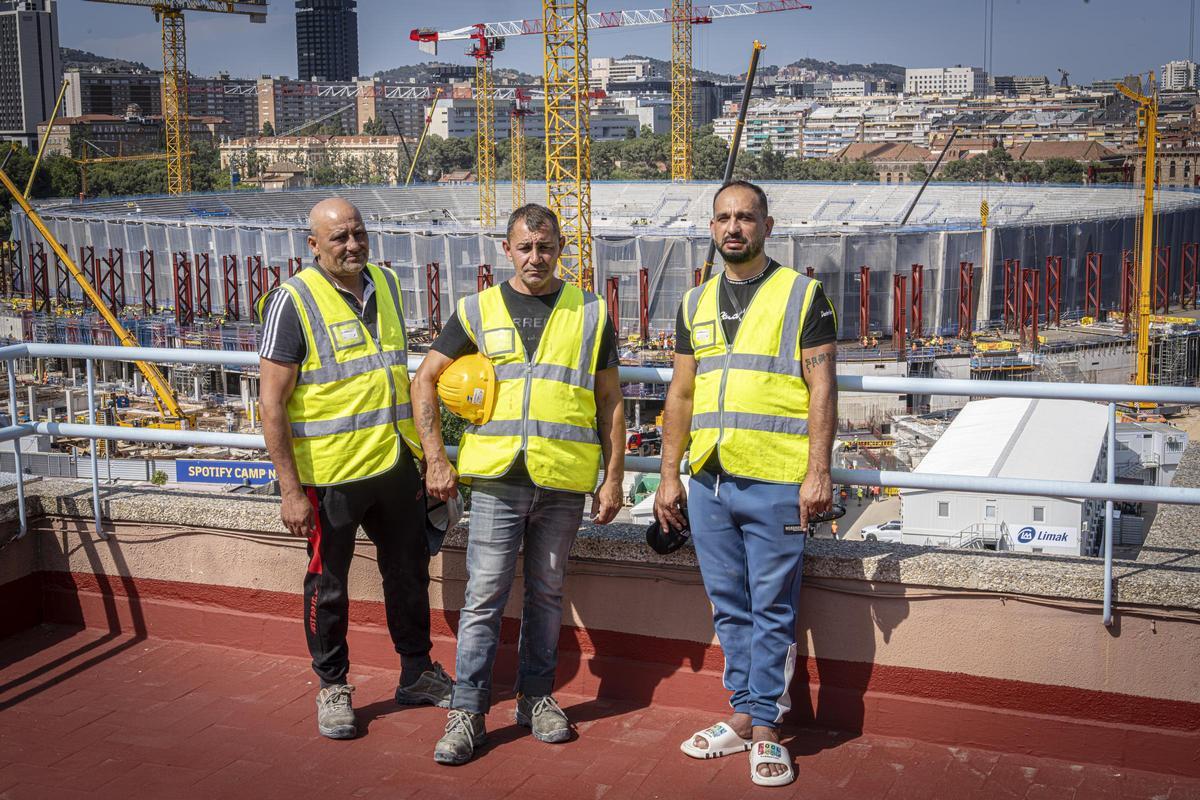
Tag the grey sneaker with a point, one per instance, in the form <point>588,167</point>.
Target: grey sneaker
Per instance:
<point>544,716</point>
<point>335,714</point>
<point>432,688</point>
<point>464,733</point>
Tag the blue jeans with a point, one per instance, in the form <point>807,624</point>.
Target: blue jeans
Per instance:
<point>505,514</point>
<point>751,549</point>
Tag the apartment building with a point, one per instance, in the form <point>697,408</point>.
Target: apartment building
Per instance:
<point>957,81</point>
<point>828,129</point>
<point>31,69</point>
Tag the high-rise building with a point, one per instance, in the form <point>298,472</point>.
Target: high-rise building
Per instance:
<point>30,67</point>
<point>327,39</point>
<point>1178,75</point>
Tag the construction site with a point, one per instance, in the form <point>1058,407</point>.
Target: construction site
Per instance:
<point>988,281</point>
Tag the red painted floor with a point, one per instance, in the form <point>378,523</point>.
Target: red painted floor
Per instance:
<point>86,714</point>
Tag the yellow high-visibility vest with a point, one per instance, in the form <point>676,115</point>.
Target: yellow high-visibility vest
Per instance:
<point>545,403</point>
<point>750,401</point>
<point>351,405</point>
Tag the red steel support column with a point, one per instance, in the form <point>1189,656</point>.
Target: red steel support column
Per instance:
<point>229,287</point>
<point>811,272</point>
<point>39,279</point>
<point>270,279</point>
<point>1091,294</point>
<point>254,282</point>
<point>966,298</point>
<point>864,303</point>
<point>1053,290</point>
<point>697,276</point>
<point>484,279</point>
<point>899,323</point>
<point>1012,289</point>
<point>918,287</point>
<point>203,285</point>
<point>433,290</point>
<point>10,267</point>
<point>111,279</point>
<point>62,281</point>
<point>1161,281</point>
<point>146,271</point>
<point>612,296</point>
<point>644,304</point>
<point>1030,306</point>
<point>1187,275</point>
<point>182,266</point>
<point>294,266</point>
<point>87,263</point>
<point>1128,289</point>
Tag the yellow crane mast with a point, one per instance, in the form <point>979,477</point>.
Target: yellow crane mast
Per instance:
<point>485,126</point>
<point>516,141</point>
<point>568,133</point>
<point>681,90</point>
<point>174,81</point>
<point>1147,139</point>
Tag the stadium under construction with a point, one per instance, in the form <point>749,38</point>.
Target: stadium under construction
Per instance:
<point>1044,291</point>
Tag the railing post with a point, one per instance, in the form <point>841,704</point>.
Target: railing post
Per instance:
<point>1111,461</point>
<point>12,411</point>
<point>91,385</point>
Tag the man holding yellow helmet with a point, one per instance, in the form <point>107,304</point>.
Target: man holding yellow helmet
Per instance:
<point>532,364</point>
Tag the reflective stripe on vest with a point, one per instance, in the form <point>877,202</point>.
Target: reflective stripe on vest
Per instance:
<point>756,419</point>
<point>351,405</point>
<point>545,403</point>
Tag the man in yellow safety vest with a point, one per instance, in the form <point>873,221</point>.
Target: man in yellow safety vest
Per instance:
<point>558,415</point>
<point>338,424</point>
<point>754,403</point>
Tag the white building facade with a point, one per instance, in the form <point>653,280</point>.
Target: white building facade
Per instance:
<point>946,81</point>
<point>1178,75</point>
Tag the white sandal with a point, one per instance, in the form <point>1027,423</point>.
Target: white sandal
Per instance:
<point>771,753</point>
<point>722,741</point>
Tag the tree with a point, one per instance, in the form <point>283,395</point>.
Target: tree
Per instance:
<point>1062,170</point>
<point>1027,172</point>
<point>917,173</point>
<point>709,155</point>
<point>267,129</point>
<point>858,170</point>
<point>374,127</point>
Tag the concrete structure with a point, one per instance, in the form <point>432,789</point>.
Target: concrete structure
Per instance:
<point>1178,75</point>
<point>897,123</point>
<point>326,39</point>
<point>31,68</point>
<point>290,104</point>
<point>1000,438</point>
<point>851,88</point>
<point>957,81</point>
<point>375,158</point>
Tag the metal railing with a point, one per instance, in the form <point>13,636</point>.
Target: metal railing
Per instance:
<point>1109,491</point>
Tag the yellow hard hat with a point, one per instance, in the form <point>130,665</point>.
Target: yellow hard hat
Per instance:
<point>468,388</point>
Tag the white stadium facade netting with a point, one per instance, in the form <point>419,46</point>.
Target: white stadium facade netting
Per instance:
<point>833,228</point>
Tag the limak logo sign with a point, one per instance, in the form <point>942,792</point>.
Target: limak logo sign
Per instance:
<point>1055,537</point>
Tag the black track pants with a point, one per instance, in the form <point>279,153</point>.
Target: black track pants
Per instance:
<point>391,510</point>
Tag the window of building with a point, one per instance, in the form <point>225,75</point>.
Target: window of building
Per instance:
<point>1039,513</point>
<point>943,508</point>
<point>1171,171</point>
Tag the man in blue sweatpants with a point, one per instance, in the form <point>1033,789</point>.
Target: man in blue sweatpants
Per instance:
<point>754,403</point>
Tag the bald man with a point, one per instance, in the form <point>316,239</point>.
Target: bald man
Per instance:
<point>338,424</point>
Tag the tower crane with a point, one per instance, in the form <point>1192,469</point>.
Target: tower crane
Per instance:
<point>1065,81</point>
<point>565,25</point>
<point>516,140</point>
<point>174,80</point>
<point>1147,116</point>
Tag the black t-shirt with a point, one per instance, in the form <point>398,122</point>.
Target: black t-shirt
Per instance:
<point>283,334</point>
<point>820,326</point>
<point>530,314</point>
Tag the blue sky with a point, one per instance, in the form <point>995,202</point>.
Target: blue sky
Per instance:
<point>1091,39</point>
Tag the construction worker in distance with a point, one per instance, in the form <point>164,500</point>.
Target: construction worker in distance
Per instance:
<point>338,424</point>
<point>558,416</point>
<point>753,401</point>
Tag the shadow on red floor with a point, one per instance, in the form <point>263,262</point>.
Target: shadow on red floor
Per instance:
<point>91,714</point>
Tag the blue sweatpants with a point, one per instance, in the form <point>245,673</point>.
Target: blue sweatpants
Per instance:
<point>750,547</point>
